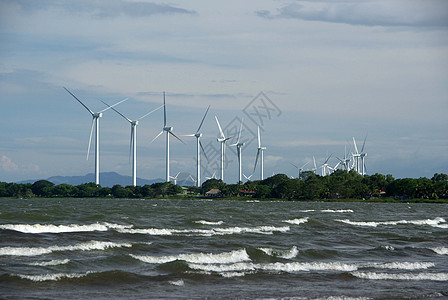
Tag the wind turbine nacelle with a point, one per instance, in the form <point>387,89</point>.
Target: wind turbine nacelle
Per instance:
<point>262,148</point>
<point>168,128</point>
<point>220,140</point>
<point>135,123</point>
<point>198,135</point>
<point>98,115</point>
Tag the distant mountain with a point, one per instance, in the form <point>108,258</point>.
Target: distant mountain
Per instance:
<point>107,179</point>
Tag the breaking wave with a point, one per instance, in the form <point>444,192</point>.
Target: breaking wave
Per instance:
<point>431,222</point>
<point>51,277</point>
<point>440,250</point>
<point>287,254</point>
<point>402,276</point>
<point>204,222</point>
<point>297,221</point>
<point>50,228</point>
<point>51,262</point>
<point>34,251</point>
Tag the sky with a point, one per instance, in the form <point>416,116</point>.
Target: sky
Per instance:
<point>312,74</point>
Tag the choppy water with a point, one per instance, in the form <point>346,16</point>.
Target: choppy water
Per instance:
<point>91,248</point>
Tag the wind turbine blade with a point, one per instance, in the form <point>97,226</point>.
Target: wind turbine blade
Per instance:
<point>111,106</point>
<point>126,118</point>
<point>294,165</point>
<point>230,137</point>
<point>220,129</point>
<point>90,138</point>
<point>328,159</point>
<point>189,135</point>
<point>239,132</point>
<point>200,125</point>
<point>164,110</point>
<point>304,165</point>
<point>203,151</point>
<point>157,136</point>
<point>363,144</point>
<point>256,159</point>
<point>147,114</point>
<point>259,138</point>
<point>314,160</point>
<point>176,137</point>
<point>80,102</point>
<point>356,148</point>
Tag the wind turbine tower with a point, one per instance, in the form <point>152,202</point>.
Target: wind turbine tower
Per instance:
<point>222,139</point>
<point>260,151</point>
<point>239,147</point>
<point>95,122</point>
<point>198,136</point>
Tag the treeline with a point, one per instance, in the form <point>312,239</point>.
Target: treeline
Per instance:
<point>339,185</point>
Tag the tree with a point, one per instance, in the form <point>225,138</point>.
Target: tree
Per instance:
<point>41,188</point>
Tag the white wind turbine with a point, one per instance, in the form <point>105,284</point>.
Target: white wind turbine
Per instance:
<point>95,122</point>
<point>315,167</point>
<point>222,139</point>
<point>248,177</point>
<point>213,176</point>
<point>299,170</point>
<point>362,156</point>
<point>239,147</point>
<point>260,150</point>
<point>198,151</point>
<point>175,178</point>
<point>133,143</point>
<point>168,130</point>
<point>325,167</point>
<point>346,161</point>
<point>356,157</point>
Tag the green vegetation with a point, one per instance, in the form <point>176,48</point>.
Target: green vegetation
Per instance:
<point>336,187</point>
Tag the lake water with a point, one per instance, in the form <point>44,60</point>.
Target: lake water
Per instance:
<point>144,249</point>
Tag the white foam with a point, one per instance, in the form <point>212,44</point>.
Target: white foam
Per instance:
<point>307,210</point>
<point>405,265</point>
<point>52,277</point>
<point>179,282</point>
<point>287,254</point>
<point>204,222</point>
<point>219,268</point>
<point>297,221</point>
<point>51,228</point>
<point>198,258</point>
<point>208,232</point>
<point>440,250</point>
<point>337,210</point>
<point>51,262</point>
<point>402,276</point>
<point>314,266</point>
<point>34,251</point>
<point>431,222</point>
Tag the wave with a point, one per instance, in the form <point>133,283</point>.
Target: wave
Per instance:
<point>431,222</point>
<point>404,265</point>
<point>207,232</point>
<point>51,262</point>
<point>51,277</point>
<point>204,222</point>
<point>440,250</point>
<point>198,258</point>
<point>287,254</point>
<point>179,282</point>
<point>51,228</point>
<point>401,276</point>
<point>297,221</point>
<point>34,251</point>
<point>337,210</point>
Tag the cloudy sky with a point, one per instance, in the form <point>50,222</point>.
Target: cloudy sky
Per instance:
<point>311,74</point>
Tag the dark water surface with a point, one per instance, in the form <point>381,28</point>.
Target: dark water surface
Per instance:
<point>144,249</point>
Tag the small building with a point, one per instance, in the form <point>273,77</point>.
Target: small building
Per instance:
<point>213,193</point>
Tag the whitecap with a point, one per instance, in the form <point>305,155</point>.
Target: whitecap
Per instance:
<point>314,266</point>
<point>287,254</point>
<point>179,282</point>
<point>51,262</point>
<point>440,250</point>
<point>337,210</point>
<point>401,276</point>
<point>52,277</point>
<point>51,228</point>
<point>405,265</point>
<point>431,222</point>
<point>297,221</point>
<point>198,258</point>
<point>34,251</point>
<point>368,224</point>
<point>204,222</point>
<point>307,210</point>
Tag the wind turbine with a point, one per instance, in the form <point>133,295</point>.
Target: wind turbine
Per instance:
<point>198,152</point>
<point>213,176</point>
<point>222,139</point>
<point>315,167</point>
<point>325,167</point>
<point>248,177</point>
<point>95,122</point>
<point>175,178</point>
<point>359,157</point>
<point>133,143</point>
<point>260,150</point>
<point>346,161</point>
<point>299,170</point>
<point>239,147</point>
<point>192,179</point>
<point>362,156</point>
<point>168,130</point>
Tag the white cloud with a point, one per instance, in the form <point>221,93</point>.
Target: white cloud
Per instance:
<point>8,165</point>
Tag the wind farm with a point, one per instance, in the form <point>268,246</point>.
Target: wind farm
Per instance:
<point>355,161</point>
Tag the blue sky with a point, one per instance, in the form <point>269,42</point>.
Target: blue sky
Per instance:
<point>329,71</point>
